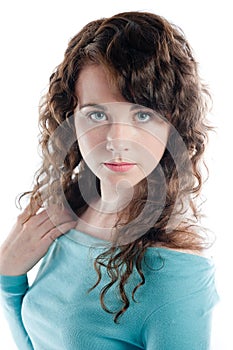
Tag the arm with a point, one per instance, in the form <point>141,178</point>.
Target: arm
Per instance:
<point>181,325</point>
<point>28,241</point>
<point>13,289</point>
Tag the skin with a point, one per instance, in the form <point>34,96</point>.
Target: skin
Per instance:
<point>28,242</point>
<point>116,139</point>
<point>114,132</point>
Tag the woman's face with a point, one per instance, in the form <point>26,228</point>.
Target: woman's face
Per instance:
<point>118,140</point>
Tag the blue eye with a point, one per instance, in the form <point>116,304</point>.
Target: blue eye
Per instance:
<point>143,116</point>
<point>97,116</point>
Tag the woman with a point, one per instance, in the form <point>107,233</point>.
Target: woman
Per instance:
<point>114,209</point>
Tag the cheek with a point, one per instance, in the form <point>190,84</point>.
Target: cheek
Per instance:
<point>90,144</point>
<point>153,145</point>
<point>157,147</point>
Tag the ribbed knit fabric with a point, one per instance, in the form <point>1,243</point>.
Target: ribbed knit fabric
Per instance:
<point>173,309</point>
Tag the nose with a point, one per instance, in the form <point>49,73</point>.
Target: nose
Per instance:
<point>117,138</point>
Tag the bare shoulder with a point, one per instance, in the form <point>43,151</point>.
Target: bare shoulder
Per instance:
<point>203,253</point>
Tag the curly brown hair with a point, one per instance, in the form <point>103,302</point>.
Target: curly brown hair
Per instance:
<point>152,64</point>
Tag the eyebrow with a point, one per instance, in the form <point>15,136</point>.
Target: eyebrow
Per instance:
<point>104,108</point>
<point>135,106</point>
<point>101,107</point>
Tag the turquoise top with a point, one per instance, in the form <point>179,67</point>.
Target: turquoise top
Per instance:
<point>173,308</point>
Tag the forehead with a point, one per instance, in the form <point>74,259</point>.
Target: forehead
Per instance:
<point>95,86</point>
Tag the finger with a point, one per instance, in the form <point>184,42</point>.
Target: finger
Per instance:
<point>55,210</point>
<point>59,230</point>
<point>22,217</point>
<point>39,219</point>
<point>49,225</point>
<point>59,217</point>
<point>45,227</point>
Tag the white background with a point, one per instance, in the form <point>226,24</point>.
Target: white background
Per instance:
<point>33,38</point>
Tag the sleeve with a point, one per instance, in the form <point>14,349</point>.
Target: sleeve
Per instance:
<point>181,325</point>
<point>13,289</point>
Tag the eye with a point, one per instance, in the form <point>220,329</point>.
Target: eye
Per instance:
<point>97,116</point>
<point>143,116</point>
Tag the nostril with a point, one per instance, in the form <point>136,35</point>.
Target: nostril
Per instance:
<point>109,147</point>
<point>116,145</point>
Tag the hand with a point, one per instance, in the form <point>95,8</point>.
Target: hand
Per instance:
<point>28,242</point>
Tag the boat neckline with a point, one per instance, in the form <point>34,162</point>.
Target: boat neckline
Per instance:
<point>90,241</point>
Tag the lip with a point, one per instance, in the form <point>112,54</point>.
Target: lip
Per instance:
<point>119,166</point>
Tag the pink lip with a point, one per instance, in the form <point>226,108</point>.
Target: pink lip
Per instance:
<point>119,167</point>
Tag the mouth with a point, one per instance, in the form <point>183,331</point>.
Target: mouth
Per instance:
<point>120,166</point>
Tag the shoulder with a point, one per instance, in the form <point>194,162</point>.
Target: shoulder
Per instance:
<point>181,296</point>
<point>202,253</point>
<point>177,272</point>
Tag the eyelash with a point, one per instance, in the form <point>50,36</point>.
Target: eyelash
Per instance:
<point>145,113</point>
<point>90,116</point>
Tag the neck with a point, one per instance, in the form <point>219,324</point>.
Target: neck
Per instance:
<point>112,199</point>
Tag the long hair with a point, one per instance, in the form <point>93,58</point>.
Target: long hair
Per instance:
<point>151,63</point>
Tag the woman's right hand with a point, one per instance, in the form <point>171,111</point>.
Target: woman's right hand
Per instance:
<point>28,242</point>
